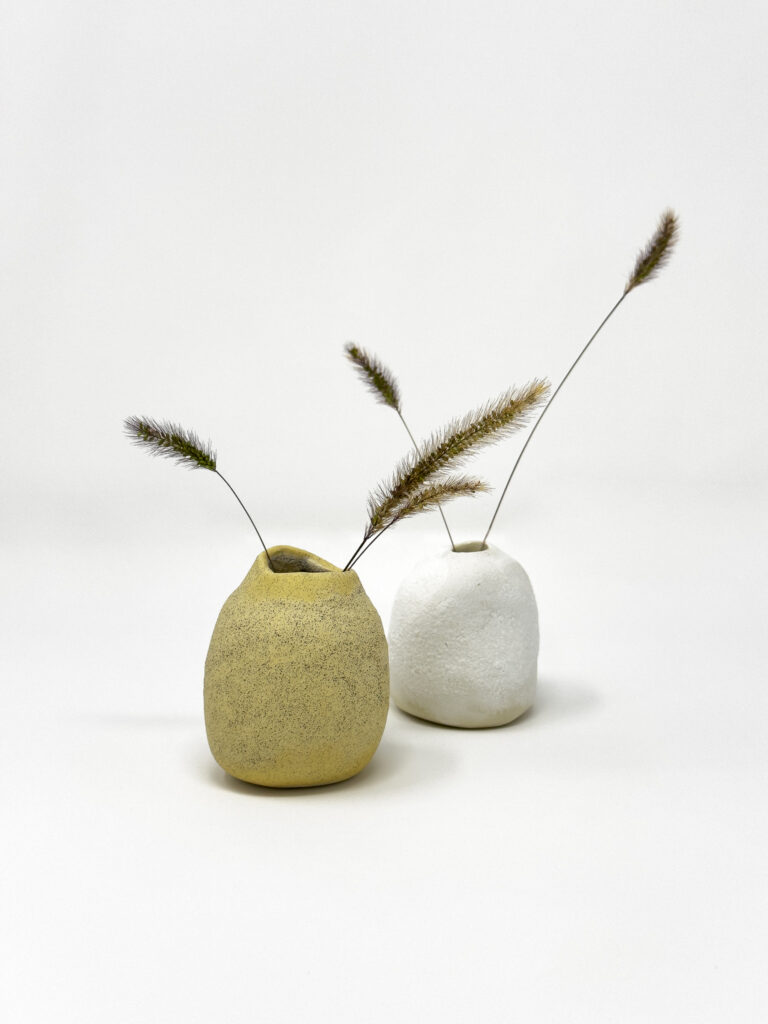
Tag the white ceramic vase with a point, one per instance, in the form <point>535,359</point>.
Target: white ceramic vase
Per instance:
<point>464,639</point>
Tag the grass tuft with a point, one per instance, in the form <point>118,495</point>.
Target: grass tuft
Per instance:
<point>452,445</point>
<point>655,256</point>
<point>376,377</point>
<point>170,441</point>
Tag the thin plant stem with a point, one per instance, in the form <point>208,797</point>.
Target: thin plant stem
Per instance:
<point>242,506</point>
<point>416,446</point>
<point>544,410</point>
<point>354,553</point>
<point>359,554</point>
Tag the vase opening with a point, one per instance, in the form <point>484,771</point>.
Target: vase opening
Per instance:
<point>471,545</point>
<point>287,561</point>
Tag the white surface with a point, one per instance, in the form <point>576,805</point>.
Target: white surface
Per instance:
<point>601,859</point>
<point>464,639</point>
<point>201,203</point>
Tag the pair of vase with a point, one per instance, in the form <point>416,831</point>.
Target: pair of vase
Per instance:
<point>297,677</point>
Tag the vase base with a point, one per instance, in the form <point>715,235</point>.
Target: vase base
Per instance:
<point>293,780</point>
<point>473,721</point>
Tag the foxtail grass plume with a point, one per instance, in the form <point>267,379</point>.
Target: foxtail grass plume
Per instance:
<point>653,258</point>
<point>445,450</point>
<point>425,498</point>
<point>429,496</point>
<point>184,447</point>
<point>656,254</point>
<point>170,441</point>
<point>381,382</point>
<point>452,445</point>
<point>376,377</point>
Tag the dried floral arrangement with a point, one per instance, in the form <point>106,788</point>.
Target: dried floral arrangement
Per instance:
<point>421,481</point>
<point>384,386</point>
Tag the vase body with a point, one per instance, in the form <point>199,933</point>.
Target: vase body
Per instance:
<point>296,678</point>
<point>464,639</point>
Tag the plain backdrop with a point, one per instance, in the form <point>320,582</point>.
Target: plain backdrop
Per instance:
<point>201,203</point>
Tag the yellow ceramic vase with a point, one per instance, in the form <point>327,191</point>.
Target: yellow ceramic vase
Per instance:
<point>297,674</point>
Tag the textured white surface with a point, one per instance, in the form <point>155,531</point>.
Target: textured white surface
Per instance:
<point>464,639</point>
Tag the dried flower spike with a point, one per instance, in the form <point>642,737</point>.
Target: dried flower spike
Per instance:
<point>446,449</point>
<point>649,262</point>
<point>184,447</point>
<point>383,385</point>
<point>376,377</point>
<point>655,256</point>
<point>171,441</point>
<point>429,496</point>
<point>454,443</point>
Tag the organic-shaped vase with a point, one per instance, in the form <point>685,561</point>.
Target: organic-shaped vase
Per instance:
<point>464,639</point>
<point>296,678</point>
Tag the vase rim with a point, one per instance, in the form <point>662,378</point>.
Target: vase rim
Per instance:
<point>470,547</point>
<point>287,560</point>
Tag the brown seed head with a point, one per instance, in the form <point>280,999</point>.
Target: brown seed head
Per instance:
<point>656,253</point>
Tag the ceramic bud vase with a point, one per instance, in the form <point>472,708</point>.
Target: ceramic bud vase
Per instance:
<point>296,678</point>
<point>464,639</point>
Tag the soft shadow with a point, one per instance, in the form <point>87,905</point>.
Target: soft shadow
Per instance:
<point>444,726</point>
<point>556,701</point>
<point>395,765</point>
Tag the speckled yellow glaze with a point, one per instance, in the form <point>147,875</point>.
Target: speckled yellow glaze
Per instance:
<point>297,674</point>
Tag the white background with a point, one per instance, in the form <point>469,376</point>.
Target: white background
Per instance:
<point>201,203</point>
